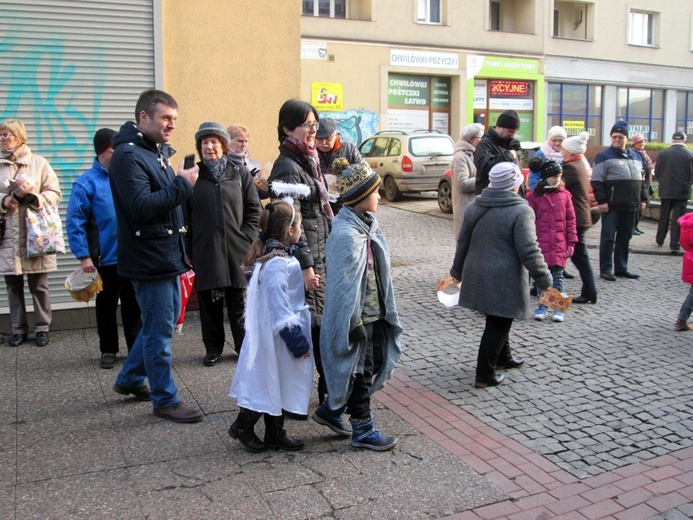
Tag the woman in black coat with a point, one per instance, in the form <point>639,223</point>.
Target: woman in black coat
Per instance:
<point>298,163</point>
<point>222,218</point>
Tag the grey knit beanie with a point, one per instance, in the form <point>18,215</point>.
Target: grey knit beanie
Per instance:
<point>212,128</point>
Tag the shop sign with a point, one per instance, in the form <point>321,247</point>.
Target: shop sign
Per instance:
<point>526,124</point>
<point>441,92</point>
<point>406,58</point>
<point>313,50</point>
<point>573,127</point>
<point>480,91</point>
<point>497,66</point>
<point>407,120</point>
<point>408,91</point>
<point>511,104</point>
<point>327,97</point>
<point>502,88</point>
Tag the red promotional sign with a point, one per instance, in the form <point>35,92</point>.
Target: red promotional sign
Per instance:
<point>501,88</point>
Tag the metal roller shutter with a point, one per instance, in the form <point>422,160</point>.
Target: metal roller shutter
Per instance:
<point>68,68</point>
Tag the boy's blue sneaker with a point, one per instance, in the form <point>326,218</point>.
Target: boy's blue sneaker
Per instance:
<point>332,419</point>
<point>558,316</point>
<point>367,436</point>
<point>540,313</point>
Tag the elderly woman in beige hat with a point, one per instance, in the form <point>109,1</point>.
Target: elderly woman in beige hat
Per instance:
<point>464,172</point>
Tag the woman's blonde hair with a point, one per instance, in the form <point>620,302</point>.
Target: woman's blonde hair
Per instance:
<point>236,129</point>
<point>275,220</point>
<point>15,127</point>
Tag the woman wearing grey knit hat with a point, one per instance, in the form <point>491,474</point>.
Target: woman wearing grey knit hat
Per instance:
<point>222,218</point>
<point>464,172</point>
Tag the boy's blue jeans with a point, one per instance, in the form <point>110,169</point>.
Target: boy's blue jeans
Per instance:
<point>150,356</point>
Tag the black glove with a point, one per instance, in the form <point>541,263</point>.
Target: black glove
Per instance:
<point>358,334</point>
<point>29,199</point>
<point>515,145</point>
<point>295,340</point>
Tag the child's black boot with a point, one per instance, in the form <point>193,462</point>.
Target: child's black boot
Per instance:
<point>367,436</point>
<point>276,437</point>
<point>243,430</point>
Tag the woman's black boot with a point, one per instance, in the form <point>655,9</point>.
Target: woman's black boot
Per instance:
<point>276,437</point>
<point>243,430</point>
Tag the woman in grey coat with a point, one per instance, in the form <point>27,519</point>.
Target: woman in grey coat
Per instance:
<point>495,249</point>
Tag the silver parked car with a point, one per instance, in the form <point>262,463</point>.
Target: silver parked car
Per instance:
<point>408,161</point>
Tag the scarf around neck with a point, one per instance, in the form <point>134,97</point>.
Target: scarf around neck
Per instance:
<point>304,150</point>
<point>216,166</point>
<point>15,153</point>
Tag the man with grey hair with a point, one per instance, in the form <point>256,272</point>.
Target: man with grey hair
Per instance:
<point>674,171</point>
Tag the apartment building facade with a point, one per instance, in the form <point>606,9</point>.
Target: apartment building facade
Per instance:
<point>441,64</point>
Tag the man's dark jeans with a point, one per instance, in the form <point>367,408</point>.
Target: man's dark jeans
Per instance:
<point>617,230</point>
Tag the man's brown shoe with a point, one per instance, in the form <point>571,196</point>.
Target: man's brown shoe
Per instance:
<point>682,325</point>
<point>179,413</point>
<point>141,392</point>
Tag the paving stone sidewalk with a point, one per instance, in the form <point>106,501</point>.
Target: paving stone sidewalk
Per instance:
<point>598,425</point>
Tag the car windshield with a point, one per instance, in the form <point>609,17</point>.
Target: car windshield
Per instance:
<point>431,145</point>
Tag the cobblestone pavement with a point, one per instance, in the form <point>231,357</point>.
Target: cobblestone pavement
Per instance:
<point>608,387</point>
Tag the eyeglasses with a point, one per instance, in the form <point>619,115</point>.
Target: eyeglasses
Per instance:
<point>6,135</point>
<point>310,126</point>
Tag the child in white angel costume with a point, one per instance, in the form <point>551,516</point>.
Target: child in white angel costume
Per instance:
<point>274,372</point>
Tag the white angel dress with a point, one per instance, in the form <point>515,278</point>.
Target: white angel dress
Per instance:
<point>268,378</point>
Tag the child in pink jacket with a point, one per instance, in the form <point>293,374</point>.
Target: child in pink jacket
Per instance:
<point>556,229</point>
<point>686,241</point>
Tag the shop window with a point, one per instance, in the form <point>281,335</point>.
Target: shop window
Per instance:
<point>573,19</point>
<point>325,8</point>
<point>642,28</point>
<point>511,16</point>
<point>643,108</point>
<point>430,11</point>
<point>577,108</point>
<point>684,114</point>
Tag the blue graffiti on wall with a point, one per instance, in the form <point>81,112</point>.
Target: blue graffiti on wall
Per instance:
<point>63,100</point>
<point>354,126</point>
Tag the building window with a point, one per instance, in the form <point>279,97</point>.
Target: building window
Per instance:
<point>511,16</point>
<point>643,108</point>
<point>642,28</point>
<point>684,114</point>
<point>577,108</point>
<point>573,19</point>
<point>325,8</point>
<point>430,11</point>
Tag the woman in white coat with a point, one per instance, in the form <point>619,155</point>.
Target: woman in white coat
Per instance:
<point>26,180</point>
<point>464,172</point>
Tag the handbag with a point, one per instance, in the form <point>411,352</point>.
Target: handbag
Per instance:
<point>44,232</point>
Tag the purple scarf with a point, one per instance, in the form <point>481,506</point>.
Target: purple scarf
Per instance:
<point>303,149</point>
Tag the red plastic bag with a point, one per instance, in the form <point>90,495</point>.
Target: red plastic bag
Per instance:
<point>186,281</point>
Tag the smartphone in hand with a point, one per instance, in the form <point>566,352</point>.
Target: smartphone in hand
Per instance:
<point>189,161</point>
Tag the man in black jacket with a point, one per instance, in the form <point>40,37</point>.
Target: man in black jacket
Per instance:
<point>497,145</point>
<point>674,172</point>
<point>147,195</point>
<point>330,147</point>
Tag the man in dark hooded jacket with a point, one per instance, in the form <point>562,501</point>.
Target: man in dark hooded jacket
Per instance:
<point>497,145</point>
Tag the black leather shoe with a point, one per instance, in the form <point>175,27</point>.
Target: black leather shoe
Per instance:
<point>107,360</point>
<point>568,276</point>
<point>16,340</point>
<point>510,363</point>
<point>628,274</point>
<point>495,380</point>
<point>585,299</point>
<point>210,360</point>
<point>42,339</point>
<point>141,392</point>
<point>637,231</point>
<point>609,277</point>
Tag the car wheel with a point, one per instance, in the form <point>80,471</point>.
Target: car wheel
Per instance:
<point>392,192</point>
<point>445,197</point>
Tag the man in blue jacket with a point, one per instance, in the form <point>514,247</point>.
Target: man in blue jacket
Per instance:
<point>618,186</point>
<point>91,231</point>
<point>151,253</point>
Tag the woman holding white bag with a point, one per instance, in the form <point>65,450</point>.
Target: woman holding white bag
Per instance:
<point>26,181</point>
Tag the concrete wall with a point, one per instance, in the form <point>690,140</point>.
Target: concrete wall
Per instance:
<point>231,61</point>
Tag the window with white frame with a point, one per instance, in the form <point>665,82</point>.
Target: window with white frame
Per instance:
<point>430,11</point>
<point>642,28</point>
<point>325,8</point>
